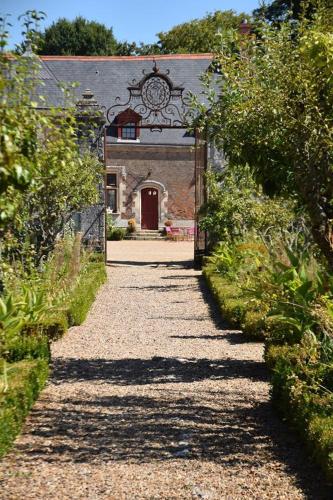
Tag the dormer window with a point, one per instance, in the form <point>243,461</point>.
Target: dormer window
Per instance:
<point>129,131</point>
<point>128,125</point>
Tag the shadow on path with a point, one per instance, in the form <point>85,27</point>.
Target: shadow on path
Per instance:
<point>157,370</point>
<point>222,426</point>
<point>176,264</point>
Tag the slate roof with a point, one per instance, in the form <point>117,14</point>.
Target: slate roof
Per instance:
<point>109,78</point>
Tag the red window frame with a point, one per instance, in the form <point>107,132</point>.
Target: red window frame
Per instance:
<point>128,117</point>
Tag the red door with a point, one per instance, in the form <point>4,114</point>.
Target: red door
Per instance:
<point>149,208</point>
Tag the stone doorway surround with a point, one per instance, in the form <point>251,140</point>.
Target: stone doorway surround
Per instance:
<point>162,201</point>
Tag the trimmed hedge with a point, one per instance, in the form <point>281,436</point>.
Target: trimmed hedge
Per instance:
<point>28,354</point>
<point>116,233</point>
<point>234,305</point>
<point>302,384</point>
<point>297,379</point>
<point>84,293</point>
<point>26,379</point>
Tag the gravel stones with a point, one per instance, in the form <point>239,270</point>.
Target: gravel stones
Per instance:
<point>153,397</point>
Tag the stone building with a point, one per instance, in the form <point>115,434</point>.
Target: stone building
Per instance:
<point>148,153</point>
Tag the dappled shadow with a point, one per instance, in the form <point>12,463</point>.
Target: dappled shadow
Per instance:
<point>157,370</point>
<point>199,337</point>
<point>232,336</point>
<point>161,288</point>
<point>220,427</point>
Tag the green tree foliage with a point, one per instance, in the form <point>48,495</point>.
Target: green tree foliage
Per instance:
<point>281,10</point>
<point>19,120</point>
<point>199,35</point>
<point>132,49</point>
<point>274,113</point>
<point>237,207</point>
<point>78,38</point>
<point>44,177</point>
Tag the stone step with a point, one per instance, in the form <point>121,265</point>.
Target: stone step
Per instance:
<point>148,231</point>
<point>144,237</point>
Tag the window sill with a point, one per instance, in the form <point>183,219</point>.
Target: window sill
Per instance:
<point>128,140</point>
<point>108,211</point>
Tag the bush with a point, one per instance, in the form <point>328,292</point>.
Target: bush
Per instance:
<point>26,379</point>
<point>234,304</point>
<point>83,295</point>
<point>28,347</point>
<point>116,234</point>
<point>300,394</point>
<point>131,226</point>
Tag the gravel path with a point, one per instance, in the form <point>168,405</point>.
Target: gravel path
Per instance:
<point>153,398</point>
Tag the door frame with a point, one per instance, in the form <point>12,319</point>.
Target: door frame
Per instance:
<point>158,204</point>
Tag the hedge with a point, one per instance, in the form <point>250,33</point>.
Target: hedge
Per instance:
<point>297,399</point>
<point>26,379</point>
<point>28,354</point>
<point>234,306</point>
<point>85,292</point>
<point>298,378</point>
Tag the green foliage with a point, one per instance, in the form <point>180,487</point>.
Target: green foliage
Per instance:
<point>237,206</point>
<point>274,114</point>
<point>114,233</point>
<point>200,35</point>
<point>26,379</point>
<point>234,304</point>
<point>79,37</point>
<point>284,297</point>
<point>302,393</point>
<point>44,177</point>
<point>83,295</point>
<point>280,10</point>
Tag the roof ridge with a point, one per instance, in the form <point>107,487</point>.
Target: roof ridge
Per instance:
<point>207,55</point>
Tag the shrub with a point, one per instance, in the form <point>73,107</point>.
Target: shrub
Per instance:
<point>234,304</point>
<point>116,234</point>
<point>26,379</point>
<point>83,295</point>
<point>28,347</point>
<point>131,226</point>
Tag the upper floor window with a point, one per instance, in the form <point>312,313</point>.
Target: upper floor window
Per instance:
<point>129,131</point>
<point>128,125</point>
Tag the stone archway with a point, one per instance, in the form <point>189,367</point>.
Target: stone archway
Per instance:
<point>162,201</point>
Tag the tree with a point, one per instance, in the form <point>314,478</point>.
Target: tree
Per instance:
<point>132,49</point>
<point>281,10</point>
<point>274,113</point>
<point>79,37</point>
<point>44,177</point>
<point>199,35</point>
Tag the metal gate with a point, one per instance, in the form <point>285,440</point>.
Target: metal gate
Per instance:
<point>200,168</point>
<point>162,105</point>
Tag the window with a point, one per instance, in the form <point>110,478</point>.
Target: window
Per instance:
<point>128,131</point>
<point>111,192</point>
<point>128,125</point>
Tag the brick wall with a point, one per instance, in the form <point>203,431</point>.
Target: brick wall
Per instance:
<point>173,166</point>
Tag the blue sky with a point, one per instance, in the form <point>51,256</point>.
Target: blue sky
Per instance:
<point>132,20</point>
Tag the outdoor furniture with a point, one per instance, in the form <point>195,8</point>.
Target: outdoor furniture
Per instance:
<point>173,233</point>
<point>190,233</point>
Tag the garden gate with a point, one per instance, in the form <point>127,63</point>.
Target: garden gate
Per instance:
<point>162,105</point>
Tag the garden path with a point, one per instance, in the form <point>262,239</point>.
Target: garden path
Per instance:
<point>154,398</point>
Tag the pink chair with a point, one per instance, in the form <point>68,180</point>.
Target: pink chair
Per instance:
<point>190,233</point>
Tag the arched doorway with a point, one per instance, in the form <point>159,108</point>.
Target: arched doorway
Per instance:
<point>149,208</point>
